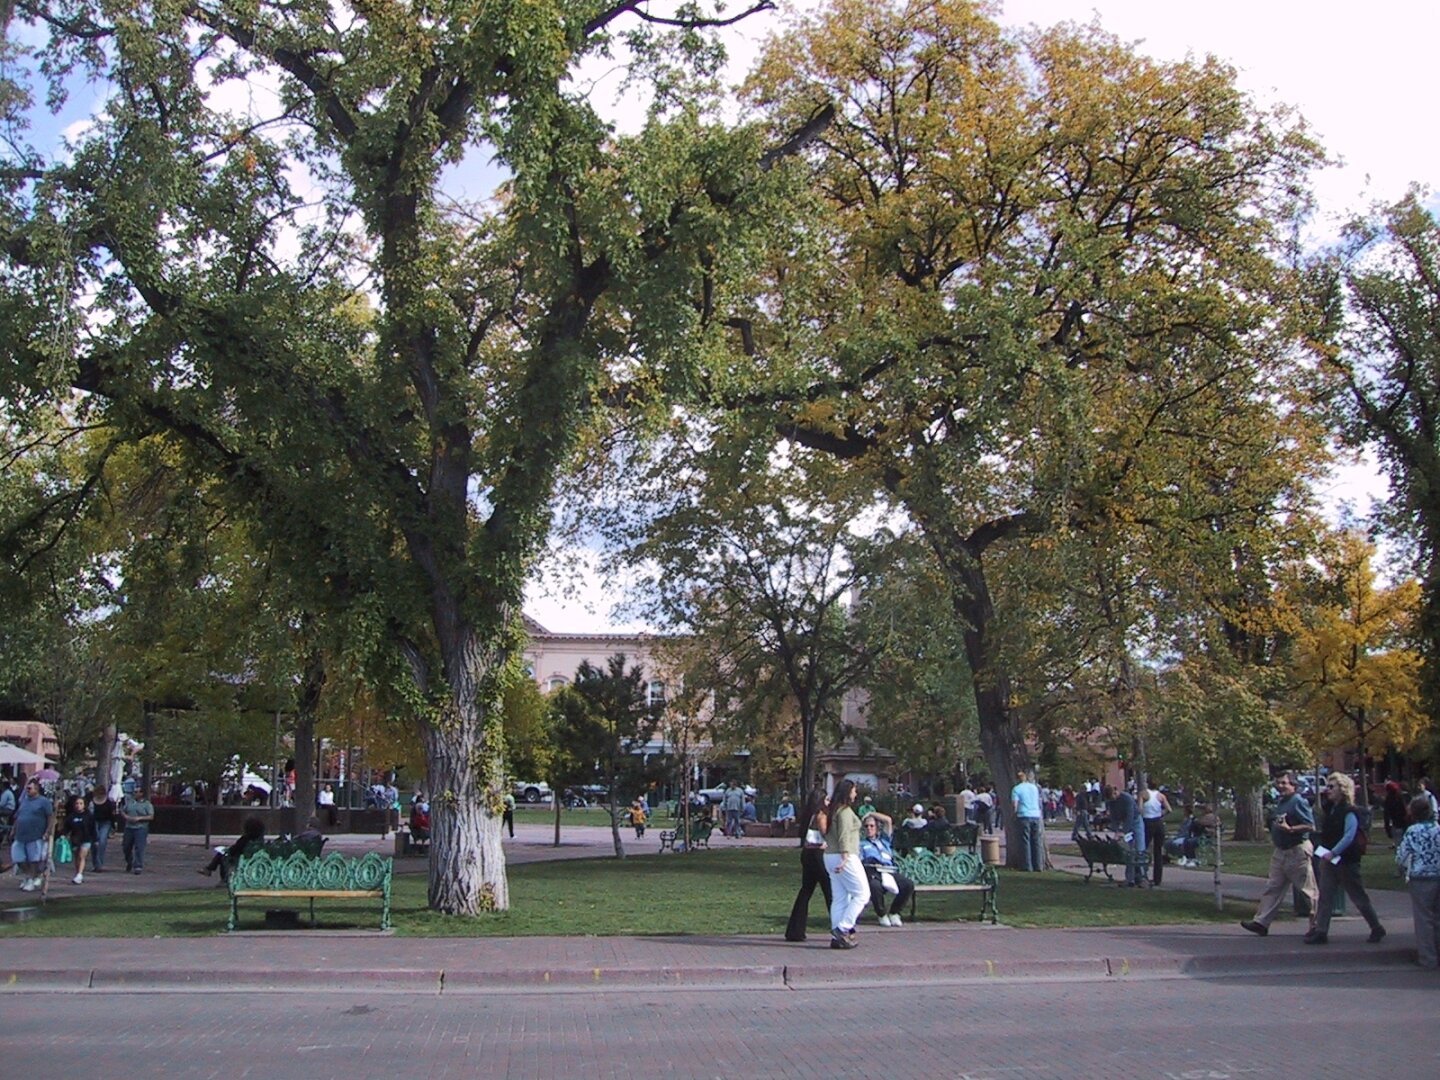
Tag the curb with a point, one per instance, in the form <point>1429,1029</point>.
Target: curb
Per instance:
<point>796,977</point>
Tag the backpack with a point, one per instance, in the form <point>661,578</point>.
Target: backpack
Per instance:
<point>1361,843</point>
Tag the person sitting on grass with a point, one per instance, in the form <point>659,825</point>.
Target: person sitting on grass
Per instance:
<point>251,838</point>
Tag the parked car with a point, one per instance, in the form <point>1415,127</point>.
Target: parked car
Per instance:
<point>532,792</point>
<point>716,794</point>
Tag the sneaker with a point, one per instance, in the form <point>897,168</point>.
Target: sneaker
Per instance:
<point>894,919</point>
<point>29,885</point>
<point>1316,938</point>
<point>78,879</point>
<point>1255,927</point>
<point>841,941</point>
<point>1376,936</point>
<point>887,920</point>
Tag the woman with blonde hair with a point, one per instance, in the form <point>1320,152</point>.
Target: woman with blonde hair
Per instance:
<point>1340,861</point>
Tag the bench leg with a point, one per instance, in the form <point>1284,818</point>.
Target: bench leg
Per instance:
<point>988,906</point>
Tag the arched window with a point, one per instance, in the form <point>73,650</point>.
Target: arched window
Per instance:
<point>555,682</point>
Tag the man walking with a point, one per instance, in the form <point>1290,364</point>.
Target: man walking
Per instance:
<point>1025,798</point>
<point>1290,861</point>
<point>138,812</point>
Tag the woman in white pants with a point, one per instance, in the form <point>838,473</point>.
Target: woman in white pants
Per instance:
<point>842,859</point>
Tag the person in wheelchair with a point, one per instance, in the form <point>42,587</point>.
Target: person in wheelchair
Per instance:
<point>878,858</point>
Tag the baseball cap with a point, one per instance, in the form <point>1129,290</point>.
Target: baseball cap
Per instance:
<point>917,809</point>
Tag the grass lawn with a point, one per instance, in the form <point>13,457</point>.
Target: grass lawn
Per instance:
<point>708,892</point>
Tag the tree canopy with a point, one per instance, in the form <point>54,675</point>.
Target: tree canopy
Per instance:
<point>250,248</point>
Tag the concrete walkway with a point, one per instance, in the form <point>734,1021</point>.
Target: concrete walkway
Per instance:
<point>286,961</point>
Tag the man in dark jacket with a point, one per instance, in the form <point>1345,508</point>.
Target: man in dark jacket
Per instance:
<point>1125,821</point>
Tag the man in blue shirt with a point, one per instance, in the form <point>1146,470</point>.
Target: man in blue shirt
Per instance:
<point>1025,798</point>
<point>1291,821</point>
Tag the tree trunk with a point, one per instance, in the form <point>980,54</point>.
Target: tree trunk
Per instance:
<point>1249,814</point>
<point>312,682</point>
<point>615,824</point>
<point>807,753</point>
<point>1000,737</point>
<point>466,782</point>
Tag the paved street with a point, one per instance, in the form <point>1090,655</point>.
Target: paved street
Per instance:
<point>1338,1025</point>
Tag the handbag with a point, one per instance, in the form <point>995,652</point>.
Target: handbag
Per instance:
<point>62,853</point>
<point>814,838</point>
<point>888,882</point>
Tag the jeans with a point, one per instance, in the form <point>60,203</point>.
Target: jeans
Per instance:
<point>102,838</point>
<point>732,823</point>
<point>1032,850</point>
<point>1290,867</point>
<point>1134,872</point>
<point>852,890</point>
<point>1333,878</point>
<point>136,837</point>
<point>812,873</point>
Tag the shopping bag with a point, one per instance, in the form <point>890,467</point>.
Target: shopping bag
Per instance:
<point>62,852</point>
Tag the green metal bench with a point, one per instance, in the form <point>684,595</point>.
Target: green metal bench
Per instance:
<point>699,836</point>
<point>963,871</point>
<point>263,876</point>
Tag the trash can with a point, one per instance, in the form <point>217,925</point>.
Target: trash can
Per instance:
<point>990,849</point>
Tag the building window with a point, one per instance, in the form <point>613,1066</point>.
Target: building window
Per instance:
<point>657,693</point>
<point>556,681</point>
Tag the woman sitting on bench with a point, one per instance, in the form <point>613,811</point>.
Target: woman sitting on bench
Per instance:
<point>878,858</point>
<point>251,838</point>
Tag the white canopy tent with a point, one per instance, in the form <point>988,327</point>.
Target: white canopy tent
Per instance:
<point>10,754</point>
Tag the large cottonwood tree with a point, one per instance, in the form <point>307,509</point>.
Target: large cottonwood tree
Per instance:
<point>251,248</point>
<point>1044,297</point>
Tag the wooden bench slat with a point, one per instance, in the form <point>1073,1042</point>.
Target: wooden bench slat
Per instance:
<point>338,894</point>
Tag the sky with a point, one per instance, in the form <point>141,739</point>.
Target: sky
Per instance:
<point>1363,76</point>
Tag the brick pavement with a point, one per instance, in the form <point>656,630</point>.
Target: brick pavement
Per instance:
<point>1215,1029</point>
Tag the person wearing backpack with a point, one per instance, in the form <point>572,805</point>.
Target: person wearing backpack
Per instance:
<point>1343,841</point>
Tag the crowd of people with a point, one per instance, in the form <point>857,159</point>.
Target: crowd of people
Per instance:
<point>79,823</point>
